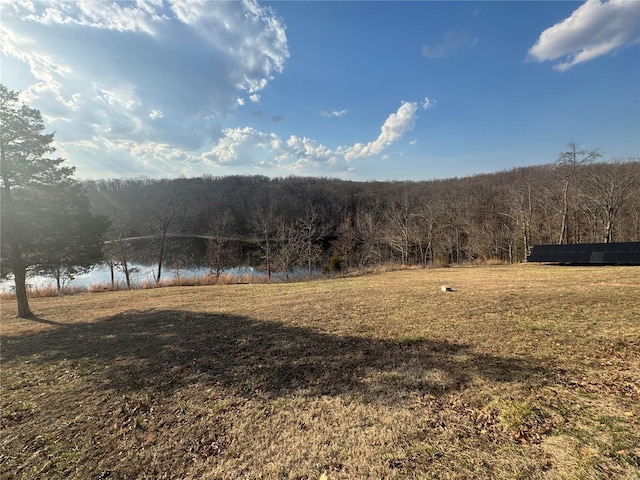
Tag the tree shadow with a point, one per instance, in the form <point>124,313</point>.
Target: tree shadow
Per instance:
<point>35,318</point>
<point>165,350</point>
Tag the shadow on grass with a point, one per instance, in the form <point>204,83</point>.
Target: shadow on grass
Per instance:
<point>164,350</point>
<point>35,318</point>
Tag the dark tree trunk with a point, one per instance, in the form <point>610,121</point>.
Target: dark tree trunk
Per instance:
<point>20,274</point>
<point>113,276</point>
<point>58,284</point>
<point>127,273</point>
<point>161,256</point>
<point>268,259</point>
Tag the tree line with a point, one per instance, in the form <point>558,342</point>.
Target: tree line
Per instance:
<point>279,224</point>
<point>57,226</point>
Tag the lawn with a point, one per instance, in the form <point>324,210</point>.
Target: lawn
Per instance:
<point>524,371</point>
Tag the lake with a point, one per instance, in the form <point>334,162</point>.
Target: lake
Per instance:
<point>101,275</point>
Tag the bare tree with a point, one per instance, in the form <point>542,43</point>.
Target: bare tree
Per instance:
<point>265,224</point>
<point>399,225</point>
<point>453,229</point>
<point>119,256</point>
<point>567,164</point>
<point>522,198</point>
<point>288,253</point>
<point>118,251</point>
<point>221,253</point>
<point>346,244</point>
<point>424,232</point>
<point>309,233</point>
<point>162,213</point>
<point>368,235</point>
<point>608,187</point>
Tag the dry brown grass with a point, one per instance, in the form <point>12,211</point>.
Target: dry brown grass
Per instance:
<point>50,290</point>
<point>520,372</point>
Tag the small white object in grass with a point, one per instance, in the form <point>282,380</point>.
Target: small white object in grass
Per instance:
<point>446,288</point>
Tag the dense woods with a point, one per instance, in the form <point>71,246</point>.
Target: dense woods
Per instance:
<point>282,224</point>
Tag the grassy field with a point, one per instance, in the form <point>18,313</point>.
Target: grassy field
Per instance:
<point>520,372</point>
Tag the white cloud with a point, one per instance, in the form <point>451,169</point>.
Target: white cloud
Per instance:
<point>101,70</point>
<point>335,113</point>
<point>396,125</point>
<point>144,86</point>
<point>306,147</point>
<point>454,40</point>
<point>237,146</point>
<point>596,28</point>
<point>121,157</point>
<point>248,146</point>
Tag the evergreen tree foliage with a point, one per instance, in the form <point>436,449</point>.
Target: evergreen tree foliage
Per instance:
<point>47,225</point>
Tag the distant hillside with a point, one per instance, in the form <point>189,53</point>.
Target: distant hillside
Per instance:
<point>305,221</point>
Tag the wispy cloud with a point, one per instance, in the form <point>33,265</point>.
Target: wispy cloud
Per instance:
<point>454,40</point>
<point>596,28</point>
<point>427,103</point>
<point>334,113</point>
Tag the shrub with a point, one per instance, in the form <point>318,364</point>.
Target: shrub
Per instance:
<point>334,265</point>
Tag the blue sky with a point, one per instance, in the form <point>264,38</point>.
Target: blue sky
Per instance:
<point>354,90</point>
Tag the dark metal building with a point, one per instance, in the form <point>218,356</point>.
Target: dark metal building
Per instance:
<point>625,253</point>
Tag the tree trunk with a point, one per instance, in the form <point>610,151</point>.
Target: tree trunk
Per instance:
<point>58,284</point>
<point>608,232</point>
<point>161,255</point>
<point>17,264</point>
<point>20,274</point>
<point>160,266</point>
<point>127,273</point>
<point>565,214</point>
<point>268,259</point>
<point>525,239</point>
<point>113,277</point>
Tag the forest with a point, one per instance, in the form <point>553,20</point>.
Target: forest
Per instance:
<point>309,223</point>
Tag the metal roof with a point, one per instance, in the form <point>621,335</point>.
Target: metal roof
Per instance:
<point>622,253</point>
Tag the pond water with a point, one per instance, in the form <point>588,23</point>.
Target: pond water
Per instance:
<point>101,275</point>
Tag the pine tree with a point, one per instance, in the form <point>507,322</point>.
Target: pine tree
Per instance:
<point>45,216</point>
